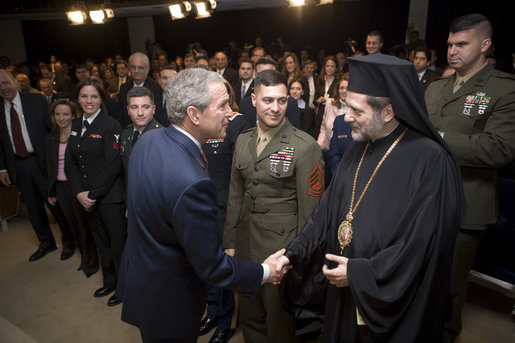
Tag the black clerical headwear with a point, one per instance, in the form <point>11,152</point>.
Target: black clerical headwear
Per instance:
<point>384,75</point>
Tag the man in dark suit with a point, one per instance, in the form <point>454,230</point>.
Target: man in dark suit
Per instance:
<point>24,124</point>
<point>139,66</point>
<point>222,68</point>
<point>249,110</point>
<point>47,90</point>
<point>174,244</point>
<point>122,70</point>
<point>245,86</point>
<point>422,62</point>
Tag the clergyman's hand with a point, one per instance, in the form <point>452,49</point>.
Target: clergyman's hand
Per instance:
<point>276,274</point>
<point>337,276</point>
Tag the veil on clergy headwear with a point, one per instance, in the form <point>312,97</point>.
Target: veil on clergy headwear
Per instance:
<point>389,76</point>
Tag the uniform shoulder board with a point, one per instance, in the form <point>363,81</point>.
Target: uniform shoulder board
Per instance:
<point>234,115</point>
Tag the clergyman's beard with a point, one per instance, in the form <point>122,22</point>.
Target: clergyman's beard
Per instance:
<point>369,132</point>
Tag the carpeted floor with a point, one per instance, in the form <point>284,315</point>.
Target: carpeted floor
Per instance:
<point>50,301</point>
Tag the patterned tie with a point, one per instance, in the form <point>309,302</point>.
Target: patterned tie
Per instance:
<point>19,143</point>
<point>243,91</point>
<point>204,157</point>
<point>135,137</point>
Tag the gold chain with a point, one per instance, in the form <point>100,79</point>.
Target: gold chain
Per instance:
<point>345,228</point>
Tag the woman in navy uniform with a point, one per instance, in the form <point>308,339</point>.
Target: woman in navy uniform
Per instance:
<point>94,170</point>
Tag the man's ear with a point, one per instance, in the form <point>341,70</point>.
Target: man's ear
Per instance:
<point>193,114</point>
<point>485,44</point>
<point>388,113</point>
<point>253,97</point>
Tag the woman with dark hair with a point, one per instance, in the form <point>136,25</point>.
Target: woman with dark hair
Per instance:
<point>62,113</point>
<point>334,106</point>
<point>307,115</point>
<point>324,87</point>
<point>94,71</point>
<point>94,170</point>
<point>292,69</point>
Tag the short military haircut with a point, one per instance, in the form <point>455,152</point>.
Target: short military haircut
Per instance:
<point>472,21</point>
<point>376,33</point>
<point>167,67</point>
<point>137,92</point>
<point>269,78</point>
<point>191,87</point>
<point>45,66</point>
<point>264,60</point>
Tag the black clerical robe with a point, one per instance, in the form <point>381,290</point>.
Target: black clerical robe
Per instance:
<point>403,238</point>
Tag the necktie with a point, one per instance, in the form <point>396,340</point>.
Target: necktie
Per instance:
<point>261,145</point>
<point>204,157</point>
<point>19,143</point>
<point>135,137</point>
<point>243,91</point>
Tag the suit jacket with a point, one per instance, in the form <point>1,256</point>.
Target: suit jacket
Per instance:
<point>93,162</point>
<point>158,100</point>
<point>272,195</point>
<point>428,77</point>
<point>174,245</point>
<point>478,123</point>
<point>249,112</point>
<point>232,76</point>
<point>37,119</point>
<point>237,91</point>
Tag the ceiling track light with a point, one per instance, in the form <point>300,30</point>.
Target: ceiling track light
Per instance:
<point>181,9</point>
<point>299,3</point>
<point>100,14</point>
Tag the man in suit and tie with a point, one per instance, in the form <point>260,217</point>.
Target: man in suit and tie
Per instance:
<point>122,70</point>
<point>165,75</point>
<point>174,245</point>
<point>139,67</point>
<point>24,124</point>
<point>222,68</point>
<point>47,90</point>
<point>246,84</point>
<point>421,61</point>
<point>24,82</point>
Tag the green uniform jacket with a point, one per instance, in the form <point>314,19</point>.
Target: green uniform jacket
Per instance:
<point>272,196</point>
<point>127,142</point>
<point>478,123</point>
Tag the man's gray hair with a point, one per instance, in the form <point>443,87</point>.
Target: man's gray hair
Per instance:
<point>378,102</point>
<point>189,88</point>
<point>142,55</point>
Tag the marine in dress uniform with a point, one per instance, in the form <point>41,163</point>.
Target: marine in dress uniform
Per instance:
<point>270,197</point>
<point>474,111</point>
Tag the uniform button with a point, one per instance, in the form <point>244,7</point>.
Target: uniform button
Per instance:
<point>282,231</point>
<point>84,176</point>
<point>253,196</point>
<point>80,156</point>
<point>283,136</point>
<point>278,174</point>
<point>214,152</point>
<point>256,168</point>
<point>255,182</point>
<point>78,145</point>
<point>82,166</point>
<point>442,114</point>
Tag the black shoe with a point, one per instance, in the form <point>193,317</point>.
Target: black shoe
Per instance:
<point>222,335</point>
<point>42,251</point>
<point>113,301</point>
<point>103,291</point>
<point>66,254</point>
<point>207,324</point>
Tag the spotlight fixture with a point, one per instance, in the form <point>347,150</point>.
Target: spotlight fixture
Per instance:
<point>180,10</point>
<point>297,3</point>
<point>97,15</point>
<point>77,14</point>
<point>325,2</point>
<point>204,9</point>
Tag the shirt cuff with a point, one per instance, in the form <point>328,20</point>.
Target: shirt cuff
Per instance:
<point>266,273</point>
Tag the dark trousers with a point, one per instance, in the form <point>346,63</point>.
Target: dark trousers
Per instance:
<point>263,320</point>
<point>109,229</point>
<point>220,304</point>
<point>74,215</point>
<point>32,184</point>
<point>70,226</point>
<point>186,339</point>
<point>463,260</point>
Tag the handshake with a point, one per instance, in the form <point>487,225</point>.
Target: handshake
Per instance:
<point>277,263</point>
<point>279,266</point>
